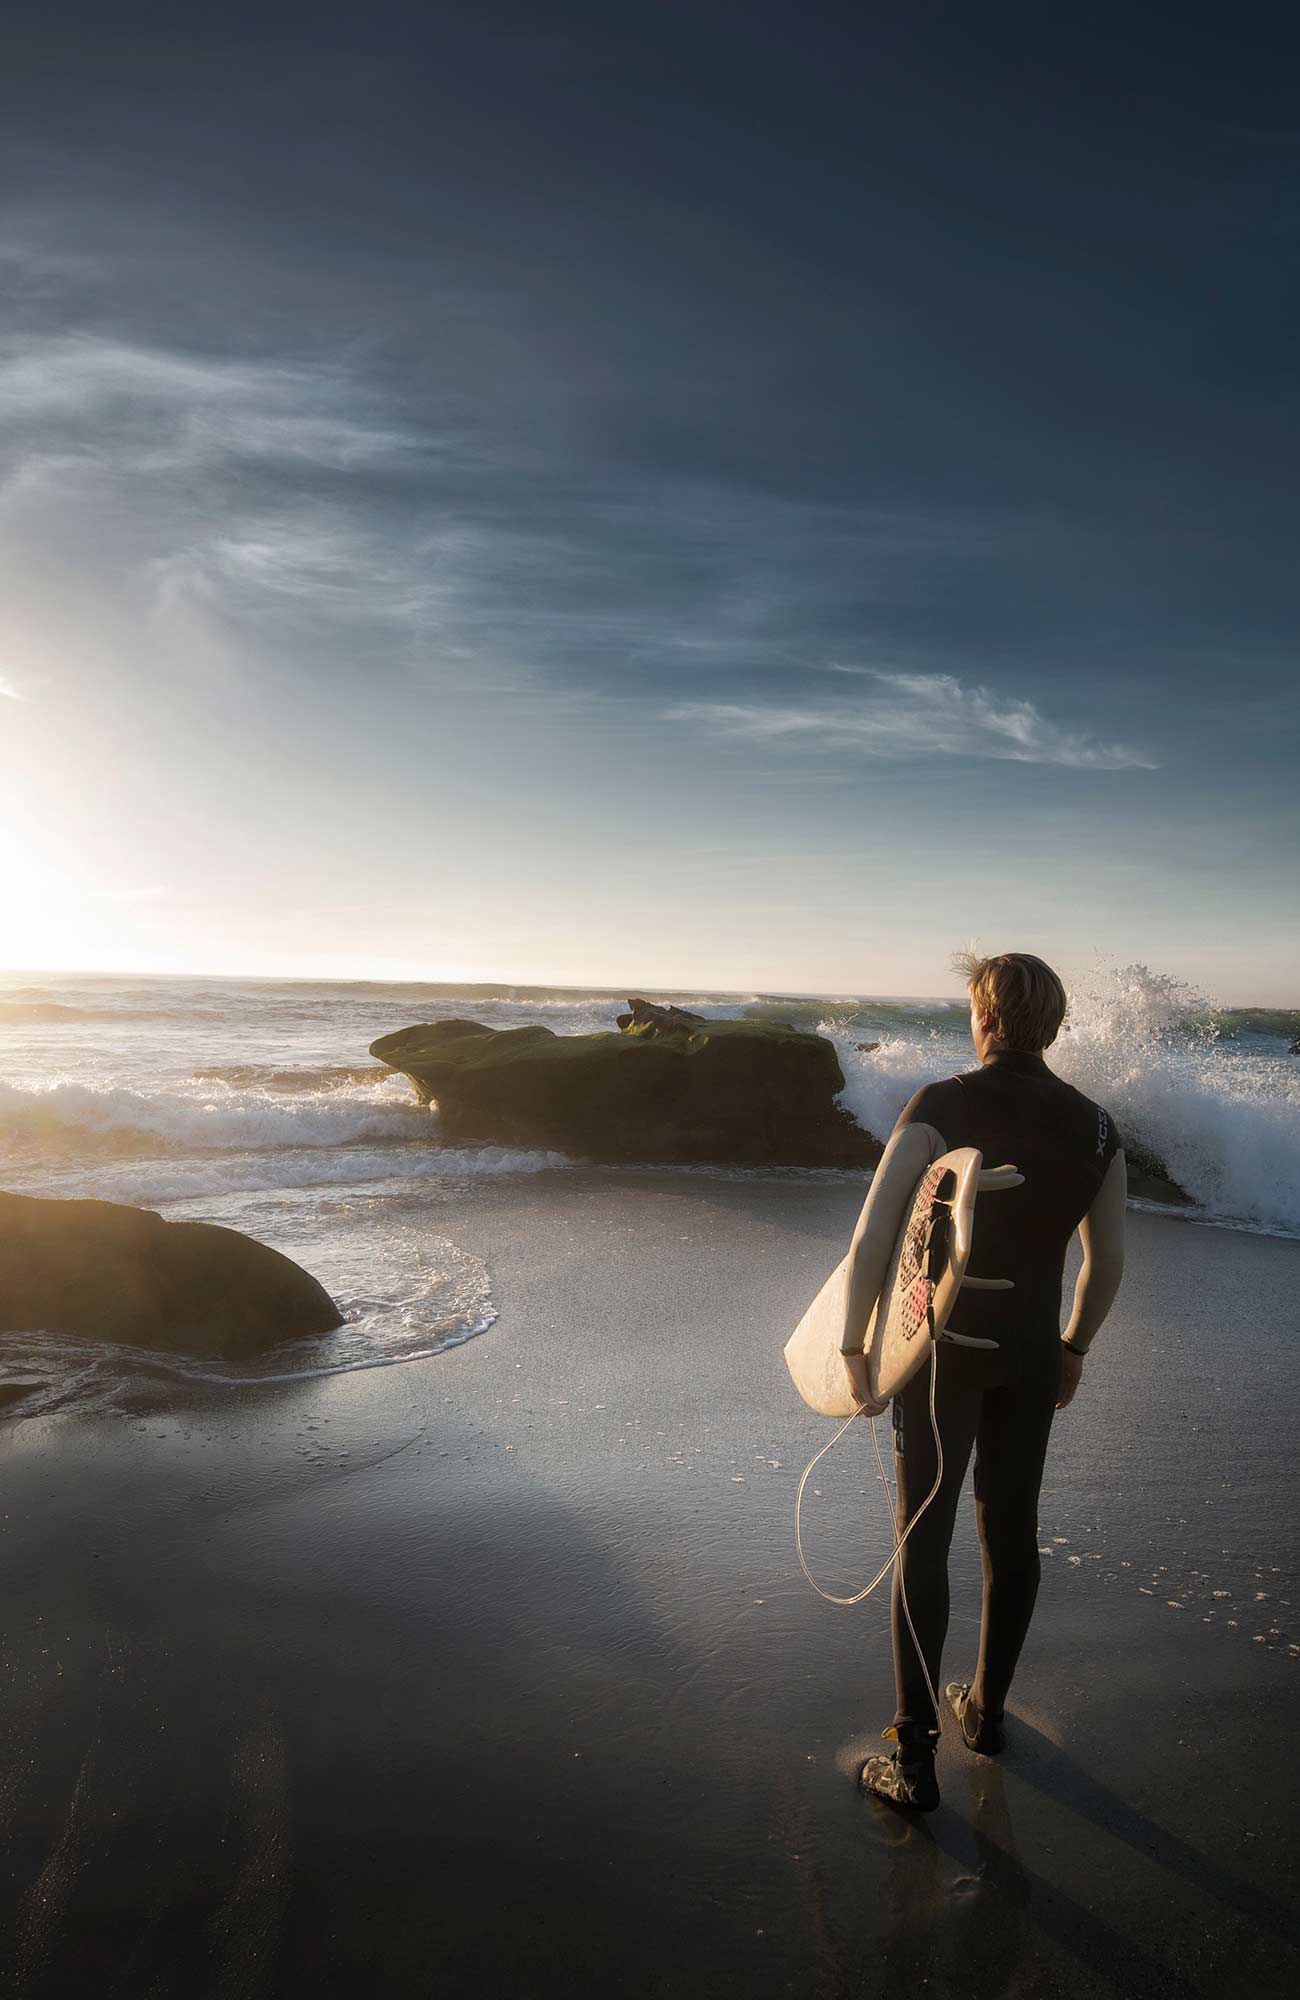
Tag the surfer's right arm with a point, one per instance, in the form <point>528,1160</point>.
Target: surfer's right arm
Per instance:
<point>911,1149</point>
<point>1102,1234</point>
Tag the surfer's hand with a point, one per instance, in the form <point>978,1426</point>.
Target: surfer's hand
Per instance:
<point>855,1366</point>
<point>1071,1376</point>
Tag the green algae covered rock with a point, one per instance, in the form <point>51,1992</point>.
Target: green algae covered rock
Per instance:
<point>670,1088</point>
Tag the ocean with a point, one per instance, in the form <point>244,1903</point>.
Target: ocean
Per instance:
<point>254,1103</point>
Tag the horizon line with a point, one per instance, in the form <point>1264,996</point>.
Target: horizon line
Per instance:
<point>607,988</point>
<point>526,985</point>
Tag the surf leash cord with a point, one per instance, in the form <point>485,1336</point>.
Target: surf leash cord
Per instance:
<point>898,1540</point>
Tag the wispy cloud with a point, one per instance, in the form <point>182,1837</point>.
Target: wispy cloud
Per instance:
<point>244,511</point>
<point>8,691</point>
<point>904,715</point>
<point>270,495</point>
<point>153,409</point>
<point>240,505</point>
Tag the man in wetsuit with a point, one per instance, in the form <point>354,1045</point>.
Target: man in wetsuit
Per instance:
<point>998,1401</point>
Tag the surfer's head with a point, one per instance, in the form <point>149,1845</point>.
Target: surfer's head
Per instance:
<point>1016,1001</point>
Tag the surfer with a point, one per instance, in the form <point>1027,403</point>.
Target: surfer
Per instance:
<point>1000,1402</point>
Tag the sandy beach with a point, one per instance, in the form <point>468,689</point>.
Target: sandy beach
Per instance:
<point>497,1673</point>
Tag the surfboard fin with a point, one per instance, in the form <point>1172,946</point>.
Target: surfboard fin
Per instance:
<point>988,1284</point>
<point>993,1179</point>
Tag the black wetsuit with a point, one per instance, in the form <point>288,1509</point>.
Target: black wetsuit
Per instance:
<point>1018,1114</point>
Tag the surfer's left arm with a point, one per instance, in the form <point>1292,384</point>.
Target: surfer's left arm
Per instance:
<point>1102,1235</point>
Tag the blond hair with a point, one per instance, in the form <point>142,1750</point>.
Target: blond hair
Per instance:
<point>1020,995</point>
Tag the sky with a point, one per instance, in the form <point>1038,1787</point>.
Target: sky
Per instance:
<point>736,496</point>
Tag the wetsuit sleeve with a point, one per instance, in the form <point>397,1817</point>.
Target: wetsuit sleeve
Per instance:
<point>925,1107</point>
<point>1108,1140</point>
<point>910,1151</point>
<point>914,1144</point>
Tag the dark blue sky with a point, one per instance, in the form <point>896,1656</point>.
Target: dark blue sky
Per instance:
<point>829,453</point>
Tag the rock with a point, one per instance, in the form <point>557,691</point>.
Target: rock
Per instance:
<point>12,1393</point>
<point>1294,1049</point>
<point>105,1271</point>
<point>672,1088</point>
<point>1149,1179</point>
<point>645,1017</point>
<point>866,1048</point>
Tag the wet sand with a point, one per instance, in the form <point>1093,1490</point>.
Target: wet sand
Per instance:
<point>497,1673</point>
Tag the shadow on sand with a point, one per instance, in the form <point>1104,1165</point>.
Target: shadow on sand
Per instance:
<point>963,1912</point>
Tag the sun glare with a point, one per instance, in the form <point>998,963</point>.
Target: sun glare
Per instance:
<point>47,923</point>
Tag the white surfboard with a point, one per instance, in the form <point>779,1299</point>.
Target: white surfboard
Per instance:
<point>925,1274</point>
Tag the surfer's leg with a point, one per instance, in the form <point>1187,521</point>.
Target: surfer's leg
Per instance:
<point>920,1601</point>
<point>1014,1425</point>
<point>921,1573</point>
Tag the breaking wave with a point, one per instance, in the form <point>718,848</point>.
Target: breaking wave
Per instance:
<point>264,1076</point>
<point>117,1120</point>
<point>1226,1127</point>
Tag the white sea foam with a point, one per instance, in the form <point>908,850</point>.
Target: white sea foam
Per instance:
<point>879,1082</point>
<point>158,1181</point>
<point>1226,1126</point>
<point>208,1117</point>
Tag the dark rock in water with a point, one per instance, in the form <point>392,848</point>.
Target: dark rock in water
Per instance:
<point>646,1017</point>
<point>750,1093</point>
<point>866,1048</point>
<point>104,1271</point>
<point>1148,1179</point>
<point>16,1392</point>
<point>1294,1049</point>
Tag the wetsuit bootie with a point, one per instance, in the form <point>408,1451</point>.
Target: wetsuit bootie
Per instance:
<point>985,1734</point>
<point>905,1779</point>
